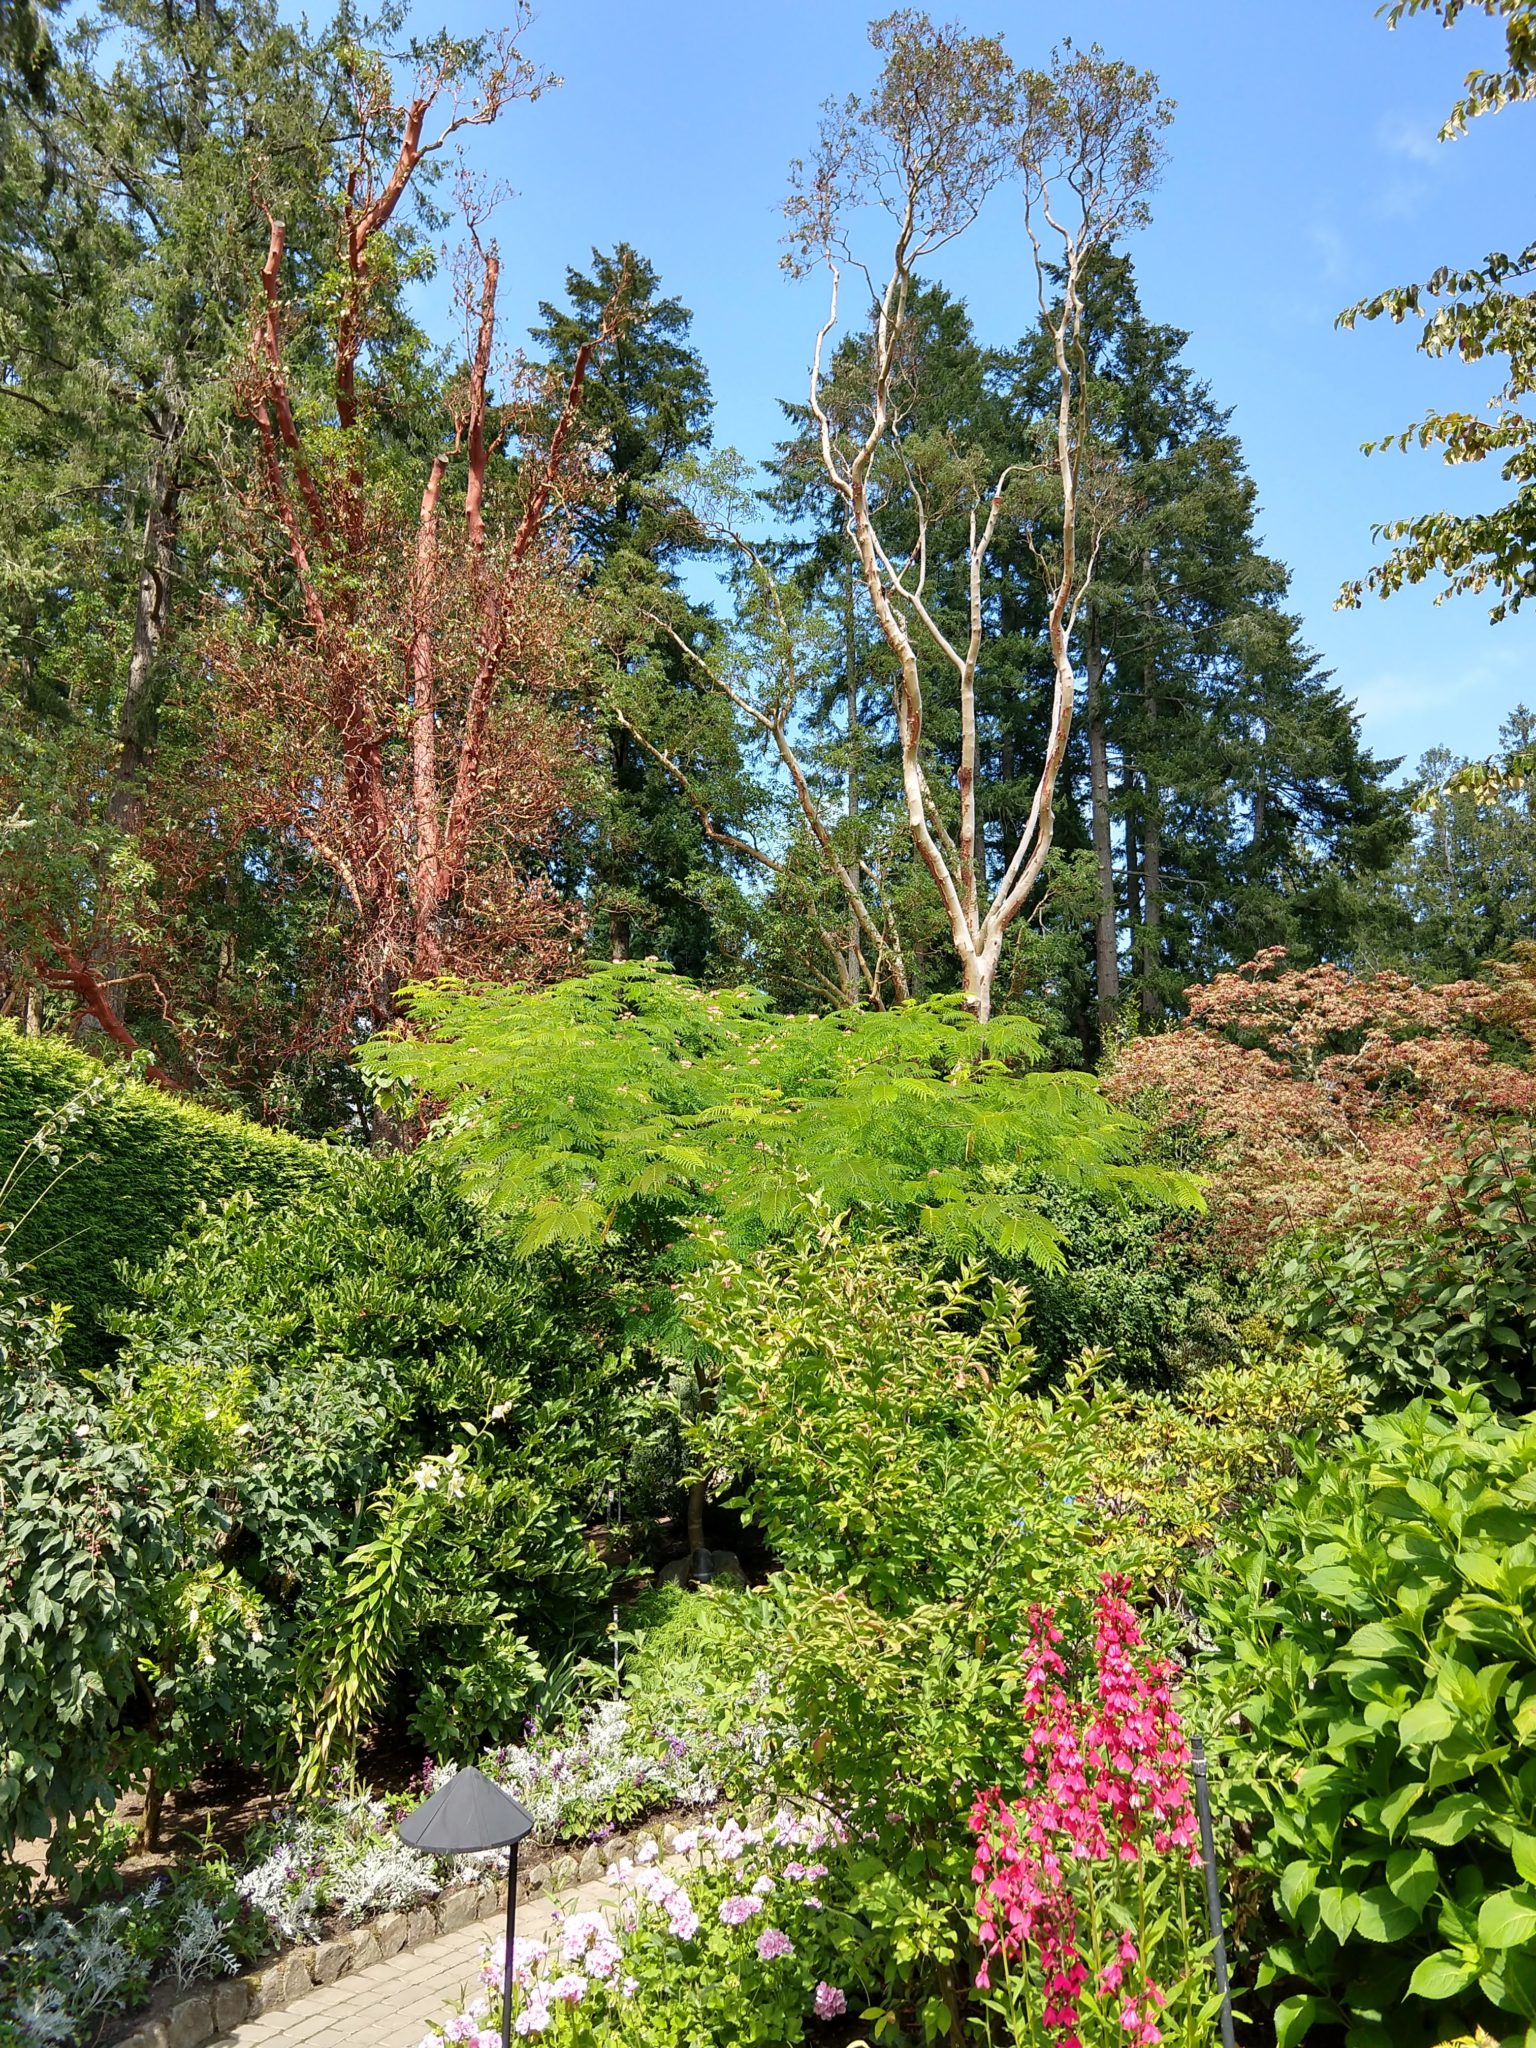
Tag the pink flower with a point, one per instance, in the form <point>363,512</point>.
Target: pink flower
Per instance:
<point>526,1957</point>
<point>1104,1784</point>
<point>534,2017</point>
<point>772,1943</point>
<point>737,1911</point>
<point>829,2003</point>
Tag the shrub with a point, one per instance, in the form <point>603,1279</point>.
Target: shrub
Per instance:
<point>63,1977</point>
<point>922,1495</point>
<point>83,1549</point>
<point>382,1434</point>
<point>1311,1096</point>
<point>1376,1666</point>
<point>134,1172</point>
<point>1448,1302</point>
<point>687,1726</point>
<point>1148,1291</point>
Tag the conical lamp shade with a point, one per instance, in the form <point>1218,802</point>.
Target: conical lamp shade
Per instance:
<point>466,1814</point>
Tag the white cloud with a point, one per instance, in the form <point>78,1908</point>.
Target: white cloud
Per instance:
<point>1393,695</point>
<point>1401,199</point>
<point>1405,711</point>
<point>1330,248</point>
<point>1402,135</point>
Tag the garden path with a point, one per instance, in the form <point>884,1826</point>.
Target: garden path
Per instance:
<point>389,2004</point>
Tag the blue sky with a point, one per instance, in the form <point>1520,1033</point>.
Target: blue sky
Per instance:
<point>1304,174</point>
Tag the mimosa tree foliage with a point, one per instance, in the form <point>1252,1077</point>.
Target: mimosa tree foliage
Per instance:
<point>631,1101</point>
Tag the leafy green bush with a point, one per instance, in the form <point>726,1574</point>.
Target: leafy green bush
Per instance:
<point>1376,1672</point>
<point>83,1547</point>
<point>1152,1296</point>
<point>679,1650</point>
<point>133,1173</point>
<point>684,1730</point>
<point>1449,1302</point>
<point>380,1435</point>
<point>922,1494</point>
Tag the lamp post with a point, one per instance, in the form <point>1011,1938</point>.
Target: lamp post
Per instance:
<point>467,1814</point>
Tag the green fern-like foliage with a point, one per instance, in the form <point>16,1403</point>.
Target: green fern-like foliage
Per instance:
<point>630,1102</point>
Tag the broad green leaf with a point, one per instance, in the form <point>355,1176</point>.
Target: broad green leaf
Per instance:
<point>1339,1910</point>
<point>1335,1582</point>
<point>1507,1919</point>
<point>1510,1982</point>
<point>1297,1882</point>
<point>1523,1848</point>
<point>1413,1876</point>
<point>1442,1975</point>
<point>1382,1916</point>
<point>1400,1803</point>
<point>1483,1568</point>
<point>1297,2016</point>
<point>1451,1820</point>
<point>1377,1639</point>
<point>1430,1721</point>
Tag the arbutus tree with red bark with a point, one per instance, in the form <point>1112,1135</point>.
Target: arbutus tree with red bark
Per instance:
<point>414,717</point>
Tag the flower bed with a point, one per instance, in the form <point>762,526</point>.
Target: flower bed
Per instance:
<point>321,1869</point>
<point>744,1921</point>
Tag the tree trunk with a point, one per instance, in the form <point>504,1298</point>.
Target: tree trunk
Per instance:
<point>1152,883</point>
<point>697,1495</point>
<point>1133,903</point>
<point>154,1808</point>
<point>980,970</point>
<point>1152,915</point>
<point>1106,936</point>
<point>125,805</point>
<point>618,934</point>
<point>851,689</point>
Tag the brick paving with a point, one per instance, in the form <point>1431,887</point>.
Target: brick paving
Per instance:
<point>389,2004</point>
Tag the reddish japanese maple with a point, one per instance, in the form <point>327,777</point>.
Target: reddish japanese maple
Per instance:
<point>1311,1093</point>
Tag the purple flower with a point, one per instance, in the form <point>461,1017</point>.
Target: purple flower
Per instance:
<point>738,1911</point>
<point>830,2003</point>
<point>772,1943</point>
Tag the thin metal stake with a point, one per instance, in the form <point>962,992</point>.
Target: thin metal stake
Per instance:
<point>506,1974</point>
<point>1212,1887</point>
<point>616,1506</point>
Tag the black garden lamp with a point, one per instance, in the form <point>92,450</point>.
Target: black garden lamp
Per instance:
<point>467,1814</point>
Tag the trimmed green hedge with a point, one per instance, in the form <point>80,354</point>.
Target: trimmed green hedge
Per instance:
<point>133,1171</point>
